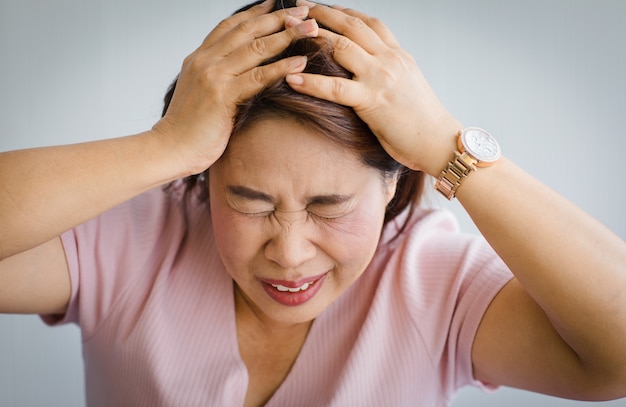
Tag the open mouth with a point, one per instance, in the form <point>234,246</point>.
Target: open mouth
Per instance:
<point>303,287</point>
<point>295,294</point>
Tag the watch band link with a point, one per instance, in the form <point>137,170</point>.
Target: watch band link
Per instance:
<point>459,167</point>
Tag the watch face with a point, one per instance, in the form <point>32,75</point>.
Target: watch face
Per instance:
<point>480,144</point>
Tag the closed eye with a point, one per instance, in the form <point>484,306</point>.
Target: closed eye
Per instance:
<point>251,208</point>
<point>330,211</point>
<point>254,203</point>
<point>257,214</point>
<point>250,202</point>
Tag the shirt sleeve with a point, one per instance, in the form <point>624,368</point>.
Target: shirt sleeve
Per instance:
<point>114,256</point>
<point>450,279</point>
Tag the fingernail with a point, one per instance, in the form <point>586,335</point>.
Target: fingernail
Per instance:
<point>294,79</point>
<point>298,62</point>
<point>305,3</point>
<point>291,22</point>
<point>307,27</point>
<point>301,11</point>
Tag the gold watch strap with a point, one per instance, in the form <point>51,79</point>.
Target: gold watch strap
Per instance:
<point>459,167</point>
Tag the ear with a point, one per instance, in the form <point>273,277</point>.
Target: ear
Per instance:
<point>391,183</point>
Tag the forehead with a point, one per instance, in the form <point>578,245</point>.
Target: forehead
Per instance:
<point>286,143</point>
<point>290,162</point>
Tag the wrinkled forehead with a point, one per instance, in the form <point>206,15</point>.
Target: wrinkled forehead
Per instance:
<point>285,148</point>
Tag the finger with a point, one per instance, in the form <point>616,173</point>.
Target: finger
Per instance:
<point>255,22</point>
<point>259,27</point>
<point>348,54</point>
<point>375,24</point>
<point>345,24</point>
<point>339,90</point>
<point>229,23</point>
<point>256,79</point>
<point>261,49</point>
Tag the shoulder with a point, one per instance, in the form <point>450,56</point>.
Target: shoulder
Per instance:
<point>435,234</point>
<point>443,274</point>
<point>125,249</point>
<point>434,284</point>
<point>434,258</point>
<point>410,223</point>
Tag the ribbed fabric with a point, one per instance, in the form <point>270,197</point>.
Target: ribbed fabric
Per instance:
<point>156,311</point>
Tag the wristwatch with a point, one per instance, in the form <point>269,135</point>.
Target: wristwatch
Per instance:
<point>476,148</point>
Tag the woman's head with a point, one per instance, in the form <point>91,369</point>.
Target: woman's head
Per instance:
<point>296,217</point>
<point>300,195</point>
<point>337,123</point>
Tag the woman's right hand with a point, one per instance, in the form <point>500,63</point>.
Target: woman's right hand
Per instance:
<point>225,71</point>
<point>46,191</point>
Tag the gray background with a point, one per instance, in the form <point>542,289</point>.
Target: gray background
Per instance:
<point>544,76</point>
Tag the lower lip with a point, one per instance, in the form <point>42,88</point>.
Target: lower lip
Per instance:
<point>293,299</point>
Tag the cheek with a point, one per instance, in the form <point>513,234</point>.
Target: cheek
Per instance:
<point>353,240</point>
<point>236,242</point>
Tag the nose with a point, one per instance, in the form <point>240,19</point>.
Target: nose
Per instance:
<point>290,245</point>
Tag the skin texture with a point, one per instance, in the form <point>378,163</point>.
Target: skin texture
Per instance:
<point>45,191</point>
<point>288,204</point>
<point>558,327</point>
<point>299,229</point>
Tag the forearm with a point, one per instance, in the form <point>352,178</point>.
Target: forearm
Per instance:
<point>46,191</point>
<point>570,264</point>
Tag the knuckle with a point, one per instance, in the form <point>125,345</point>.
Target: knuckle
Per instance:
<point>259,76</point>
<point>245,27</point>
<point>258,47</point>
<point>188,61</point>
<point>341,43</point>
<point>374,22</point>
<point>337,89</point>
<point>279,16</point>
<point>195,63</point>
<point>225,25</point>
<point>201,71</point>
<point>394,58</point>
<point>354,22</point>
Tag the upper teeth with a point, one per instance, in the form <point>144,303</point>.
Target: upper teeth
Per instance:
<point>291,290</point>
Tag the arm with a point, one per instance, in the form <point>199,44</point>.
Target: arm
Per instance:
<point>36,281</point>
<point>559,326</point>
<point>571,279</point>
<point>46,191</point>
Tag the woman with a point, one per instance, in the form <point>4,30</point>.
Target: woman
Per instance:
<point>345,293</point>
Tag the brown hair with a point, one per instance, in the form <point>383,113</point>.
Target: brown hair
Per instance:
<point>338,123</point>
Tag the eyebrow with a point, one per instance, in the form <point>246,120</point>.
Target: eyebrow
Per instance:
<point>332,199</point>
<point>249,193</point>
<point>254,195</point>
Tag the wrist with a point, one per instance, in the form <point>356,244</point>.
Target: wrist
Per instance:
<point>169,154</point>
<point>475,148</point>
<point>440,147</point>
<point>178,156</point>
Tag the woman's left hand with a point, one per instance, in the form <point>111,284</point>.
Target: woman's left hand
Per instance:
<point>387,91</point>
<point>559,326</point>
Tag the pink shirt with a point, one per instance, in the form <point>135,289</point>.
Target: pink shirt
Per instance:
<point>156,311</point>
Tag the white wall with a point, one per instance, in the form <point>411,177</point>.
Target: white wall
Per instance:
<point>545,76</point>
